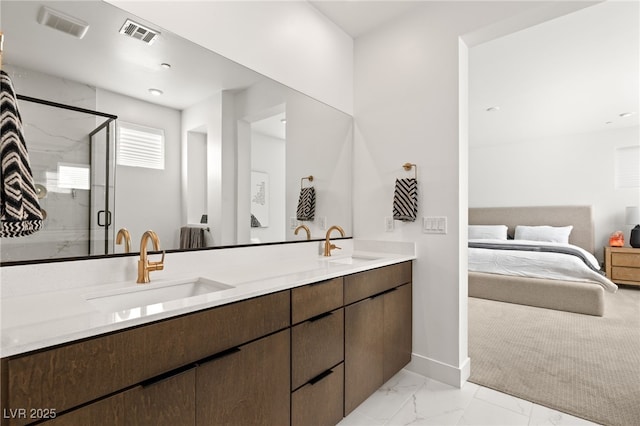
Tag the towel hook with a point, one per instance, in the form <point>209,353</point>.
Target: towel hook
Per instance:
<point>309,178</point>
<point>409,166</point>
<point>1,47</point>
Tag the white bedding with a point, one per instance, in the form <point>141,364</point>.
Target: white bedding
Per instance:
<point>536,264</point>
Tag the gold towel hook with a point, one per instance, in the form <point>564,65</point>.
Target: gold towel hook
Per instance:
<point>309,178</point>
<point>409,166</point>
<point>1,47</point>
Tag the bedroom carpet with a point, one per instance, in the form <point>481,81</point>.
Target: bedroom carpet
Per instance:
<point>579,364</point>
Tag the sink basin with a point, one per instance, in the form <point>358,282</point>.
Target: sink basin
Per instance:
<point>353,260</point>
<point>149,294</point>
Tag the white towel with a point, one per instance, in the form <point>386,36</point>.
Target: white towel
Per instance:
<point>307,204</point>
<point>405,200</point>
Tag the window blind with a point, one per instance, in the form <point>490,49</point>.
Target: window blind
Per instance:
<point>73,176</point>
<point>627,173</point>
<point>140,146</point>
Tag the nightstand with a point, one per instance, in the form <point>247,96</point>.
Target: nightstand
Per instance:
<point>622,265</point>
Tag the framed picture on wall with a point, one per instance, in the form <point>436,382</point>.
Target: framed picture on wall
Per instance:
<point>259,199</point>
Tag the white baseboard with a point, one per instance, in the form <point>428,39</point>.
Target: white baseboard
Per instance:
<point>445,373</point>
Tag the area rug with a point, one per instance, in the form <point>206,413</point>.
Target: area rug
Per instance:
<point>582,365</point>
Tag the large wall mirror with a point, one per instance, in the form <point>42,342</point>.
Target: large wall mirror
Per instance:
<point>203,151</point>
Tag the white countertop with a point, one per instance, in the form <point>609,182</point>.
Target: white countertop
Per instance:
<point>41,319</point>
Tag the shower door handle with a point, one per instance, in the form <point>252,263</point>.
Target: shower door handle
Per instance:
<point>104,214</point>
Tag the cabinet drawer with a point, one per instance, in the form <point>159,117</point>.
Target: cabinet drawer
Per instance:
<point>249,386</point>
<point>315,299</point>
<point>177,342</point>
<point>167,402</point>
<point>319,403</point>
<point>365,284</point>
<point>626,274</point>
<point>73,374</point>
<point>316,345</point>
<point>106,412</point>
<point>626,259</point>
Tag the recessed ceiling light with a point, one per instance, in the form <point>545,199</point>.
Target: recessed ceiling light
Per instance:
<point>493,109</point>
<point>608,122</point>
<point>156,92</point>
<point>627,114</point>
<point>165,65</point>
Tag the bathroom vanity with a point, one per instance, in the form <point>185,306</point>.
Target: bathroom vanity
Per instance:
<point>307,351</point>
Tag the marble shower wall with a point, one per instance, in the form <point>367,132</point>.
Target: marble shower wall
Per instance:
<point>54,136</point>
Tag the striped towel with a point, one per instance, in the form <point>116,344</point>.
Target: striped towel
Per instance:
<point>307,204</point>
<point>405,200</point>
<point>20,211</point>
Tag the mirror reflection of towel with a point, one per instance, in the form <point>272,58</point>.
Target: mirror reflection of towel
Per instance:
<point>405,200</point>
<point>193,237</point>
<point>20,211</point>
<point>307,204</point>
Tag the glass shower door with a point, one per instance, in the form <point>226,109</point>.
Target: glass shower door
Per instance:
<point>101,211</point>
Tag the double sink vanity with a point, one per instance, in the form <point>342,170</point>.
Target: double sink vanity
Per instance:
<point>260,335</point>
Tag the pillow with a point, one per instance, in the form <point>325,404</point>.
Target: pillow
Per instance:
<point>487,232</point>
<point>551,234</point>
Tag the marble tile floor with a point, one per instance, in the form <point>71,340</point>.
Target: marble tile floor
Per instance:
<point>411,399</point>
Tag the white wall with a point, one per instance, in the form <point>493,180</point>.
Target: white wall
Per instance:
<point>561,170</point>
<point>151,198</point>
<point>290,41</point>
<point>196,176</point>
<point>206,117</point>
<point>410,106</point>
<point>268,154</point>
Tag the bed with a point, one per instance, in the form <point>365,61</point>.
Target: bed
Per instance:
<point>584,297</point>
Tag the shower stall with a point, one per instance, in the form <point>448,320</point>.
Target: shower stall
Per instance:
<point>72,156</point>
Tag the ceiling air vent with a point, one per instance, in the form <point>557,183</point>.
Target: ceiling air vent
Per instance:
<point>138,31</point>
<point>62,22</point>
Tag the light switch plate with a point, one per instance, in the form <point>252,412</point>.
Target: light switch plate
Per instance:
<point>388,224</point>
<point>434,224</point>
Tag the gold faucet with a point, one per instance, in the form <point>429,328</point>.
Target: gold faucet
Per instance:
<point>124,233</point>
<point>306,228</point>
<point>144,265</point>
<point>327,244</point>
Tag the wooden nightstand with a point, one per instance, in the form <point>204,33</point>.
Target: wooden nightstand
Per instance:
<point>622,265</point>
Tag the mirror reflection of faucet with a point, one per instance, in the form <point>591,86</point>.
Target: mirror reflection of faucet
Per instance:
<point>306,229</point>
<point>144,265</point>
<point>327,243</point>
<point>123,234</point>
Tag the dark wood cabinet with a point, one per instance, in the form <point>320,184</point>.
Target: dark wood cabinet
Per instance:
<point>378,334</point>
<point>169,401</point>
<point>315,299</point>
<point>106,412</point>
<point>316,345</point>
<point>247,386</point>
<point>375,281</point>
<point>71,375</point>
<point>77,373</point>
<point>317,354</point>
<point>320,402</point>
<point>363,351</point>
<point>397,330</point>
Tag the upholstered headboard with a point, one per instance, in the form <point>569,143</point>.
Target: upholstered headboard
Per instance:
<point>581,217</point>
